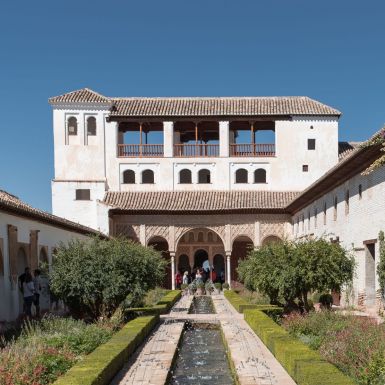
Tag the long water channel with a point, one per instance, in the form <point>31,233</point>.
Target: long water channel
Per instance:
<point>201,358</point>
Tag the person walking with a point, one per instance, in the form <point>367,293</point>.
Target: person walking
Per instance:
<point>28,294</point>
<point>185,278</point>
<point>37,289</point>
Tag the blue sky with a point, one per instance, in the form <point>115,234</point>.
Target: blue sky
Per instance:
<point>333,51</point>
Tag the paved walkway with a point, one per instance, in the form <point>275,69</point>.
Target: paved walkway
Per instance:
<point>253,362</point>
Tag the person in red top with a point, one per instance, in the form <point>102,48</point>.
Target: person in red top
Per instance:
<point>214,275</point>
<point>178,279</point>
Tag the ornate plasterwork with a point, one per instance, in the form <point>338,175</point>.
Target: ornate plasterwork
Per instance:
<point>276,228</point>
<point>239,229</point>
<point>127,230</point>
<point>158,231</point>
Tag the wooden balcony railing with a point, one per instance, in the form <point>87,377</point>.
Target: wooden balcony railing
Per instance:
<point>250,149</point>
<point>140,150</point>
<point>196,150</point>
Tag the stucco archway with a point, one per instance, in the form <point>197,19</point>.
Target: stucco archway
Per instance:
<point>270,239</point>
<point>160,244</point>
<point>241,247</point>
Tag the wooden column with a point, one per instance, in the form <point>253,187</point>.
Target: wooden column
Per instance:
<point>33,250</point>
<point>140,138</point>
<point>252,136</point>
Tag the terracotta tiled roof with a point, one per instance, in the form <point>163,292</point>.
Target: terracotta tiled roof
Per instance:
<point>85,95</point>
<point>13,204</point>
<point>201,106</point>
<point>345,148</point>
<point>220,106</point>
<point>198,201</point>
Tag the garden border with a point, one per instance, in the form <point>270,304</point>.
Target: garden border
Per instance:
<point>100,366</point>
<point>303,364</point>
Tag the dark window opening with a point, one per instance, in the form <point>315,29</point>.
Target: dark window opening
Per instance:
<point>83,195</point>
<point>72,125</point>
<point>204,176</point>
<point>91,126</point>
<point>305,168</point>
<point>148,177</point>
<point>185,176</point>
<point>129,177</point>
<point>360,191</point>
<point>260,176</point>
<point>241,176</point>
<point>311,144</point>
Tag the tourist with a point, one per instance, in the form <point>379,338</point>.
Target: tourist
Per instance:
<point>21,282</point>
<point>213,275</point>
<point>198,276</point>
<point>37,287</point>
<point>185,278</point>
<point>178,279</point>
<point>28,294</point>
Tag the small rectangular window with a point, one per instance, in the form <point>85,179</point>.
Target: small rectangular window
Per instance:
<point>360,191</point>
<point>83,195</point>
<point>347,196</point>
<point>305,168</point>
<point>311,144</point>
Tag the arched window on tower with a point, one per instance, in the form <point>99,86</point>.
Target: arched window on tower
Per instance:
<point>129,177</point>
<point>241,176</point>
<point>72,126</point>
<point>91,126</point>
<point>185,176</point>
<point>147,177</point>
<point>260,176</point>
<point>204,176</point>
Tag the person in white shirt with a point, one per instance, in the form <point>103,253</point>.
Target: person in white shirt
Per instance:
<point>28,293</point>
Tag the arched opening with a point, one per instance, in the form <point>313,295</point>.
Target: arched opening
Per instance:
<point>91,126</point>
<point>184,264</point>
<point>200,236</point>
<point>219,268</point>
<point>43,260</point>
<point>160,244</point>
<point>260,176</point>
<point>72,126</point>
<point>129,176</point>
<point>271,239</point>
<point>241,247</point>
<point>241,176</point>
<point>21,264</point>
<point>200,257</point>
<point>204,176</point>
<point>185,176</point>
<point>148,177</point>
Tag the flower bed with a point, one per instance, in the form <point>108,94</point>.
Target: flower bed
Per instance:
<point>304,365</point>
<point>356,345</point>
<point>47,349</point>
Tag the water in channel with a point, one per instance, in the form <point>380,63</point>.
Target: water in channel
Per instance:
<point>202,305</point>
<point>201,358</point>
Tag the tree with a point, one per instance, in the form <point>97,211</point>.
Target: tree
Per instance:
<point>94,276</point>
<point>290,270</point>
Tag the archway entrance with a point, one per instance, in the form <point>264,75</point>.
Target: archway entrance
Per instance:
<point>161,244</point>
<point>219,268</point>
<point>201,259</point>
<point>198,247</point>
<point>271,239</point>
<point>241,247</point>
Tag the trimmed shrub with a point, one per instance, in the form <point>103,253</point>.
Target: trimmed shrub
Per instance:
<point>326,300</point>
<point>99,367</point>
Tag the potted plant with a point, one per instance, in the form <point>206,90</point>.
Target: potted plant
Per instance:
<point>225,286</point>
<point>218,287</point>
<point>200,288</point>
<point>192,288</point>
<point>209,287</point>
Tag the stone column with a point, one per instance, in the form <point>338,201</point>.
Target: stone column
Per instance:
<point>224,139</point>
<point>228,268</point>
<point>142,235</point>
<point>168,139</point>
<point>172,255</point>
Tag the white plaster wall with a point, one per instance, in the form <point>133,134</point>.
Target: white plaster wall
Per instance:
<point>66,206</point>
<point>48,235</point>
<point>363,222</point>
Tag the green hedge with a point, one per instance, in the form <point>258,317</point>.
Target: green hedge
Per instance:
<point>162,307</point>
<point>100,366</point>
<point>240,304</point>
<point>305,365</point>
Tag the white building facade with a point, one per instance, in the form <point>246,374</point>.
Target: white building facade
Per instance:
<point>208,178</point>
<point>28,238</point>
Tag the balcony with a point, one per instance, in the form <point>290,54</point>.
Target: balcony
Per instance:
<point>252,149</point>
<point>140,150</point>
<point>196,150</point>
